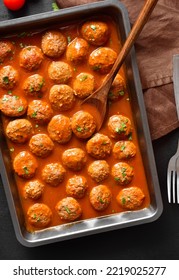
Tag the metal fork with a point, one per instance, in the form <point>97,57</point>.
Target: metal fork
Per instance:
<point>173,165</point>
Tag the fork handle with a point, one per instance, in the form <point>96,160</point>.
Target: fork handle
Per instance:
<point>176,81</point>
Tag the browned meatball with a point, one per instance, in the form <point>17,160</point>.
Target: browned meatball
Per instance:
<point>130,198</point>
<point>34,85</point>
<point>30,58</point>
<point>8,77</point>
<point>100,197</point>
<point>117,89</point>
<point>19,131</point>
<point>53,43</point>
<point>83,124</point>
<point>25,165</point>
<point>39,215</point>
<point>122,173</point>
<point>99,146</point>
<point>102,60</point>
<point>39,111</point>
<point>95,32</point>
<point>61,97</point>
<point>99,170</point>
<point>33,189</point>
<point>124,150</point>
<point>76,186</point>
<point>6,50</point>
<point>77,51</point>
<point>83,85</point>
<point>41,145</point>
<point>74,159</point>
<point>68,209</point>
<point>59,129</point>
<point>53,174</point>
<point>119,126</point>
<point>59,72</point>
<point>12,105</point>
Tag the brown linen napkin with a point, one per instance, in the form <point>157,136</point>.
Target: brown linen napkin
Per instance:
<point>155,47</point>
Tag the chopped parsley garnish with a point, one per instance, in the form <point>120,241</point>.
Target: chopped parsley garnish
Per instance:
<point>26,170</point>
<point>79,129</point>
<point>83,78</point>
<point>123,148</point>
<point>117,179</point>
<point>121,128</point>
<point>34,114</point>
<point>93,27</point>
<point>101,200</point>
<point>68,39</point>
<point>6,80</point>
<point>55,7</point>
<point>67,210</point>
<point>123,171</point>
<point>20,109</point>
<point>123,200</point>
<point>121,92</point>
<point>96,67</point>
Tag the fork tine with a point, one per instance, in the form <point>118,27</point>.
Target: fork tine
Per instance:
<point>177,183</point>
<point>169,186</point>
<point>174,185</point>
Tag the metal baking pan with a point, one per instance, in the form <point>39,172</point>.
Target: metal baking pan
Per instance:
<point>118,12</point>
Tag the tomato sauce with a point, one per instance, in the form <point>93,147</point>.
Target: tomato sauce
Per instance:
<point>51,194</point>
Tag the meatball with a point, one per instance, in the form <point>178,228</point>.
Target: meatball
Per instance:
<point>39,111</point>
<point>30,58</point>
<point>8,77</point>
<point>34,85</point>
<point>102,60</point>
<point>83,124</point>
<point>100,197</point>
<point>53,43</point>
<point>53,174</point>
<point>99,146</point>
<point>13,105</point>
<point>68,209</point>
<point>77,51</point>
<point>59,129</point>
<point>95,32</point>
<point>76,186</point>
<point>19,131</point>
<point>6,50</point>
<point>99,170</point>
<point>124,150</point>
<point>33,189</point>
<point>59,72</point>
<point>119,126</point>
<point>122,173</point>
<point>25,165</point>
<point>74,159</point>
<point>39,215</point>
<point>61,97</point>
<point>117,89</point>
<point>41,145</point>
<point>83,85</point>
<point>130,198</point>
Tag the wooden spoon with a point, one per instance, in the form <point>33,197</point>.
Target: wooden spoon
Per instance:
<point>98,99</point>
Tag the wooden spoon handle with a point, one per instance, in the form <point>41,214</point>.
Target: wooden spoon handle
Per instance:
<point>133,35</point>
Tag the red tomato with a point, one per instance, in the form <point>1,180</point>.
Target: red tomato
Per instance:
<point>14,4</point>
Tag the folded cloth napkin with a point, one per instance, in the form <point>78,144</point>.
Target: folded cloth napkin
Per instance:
<point>156,45</point>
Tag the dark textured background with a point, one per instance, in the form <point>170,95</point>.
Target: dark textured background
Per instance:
<point>157,240</point>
